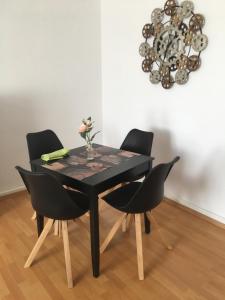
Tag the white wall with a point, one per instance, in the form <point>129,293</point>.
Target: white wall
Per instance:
<point>50,75</point>
<point>187,120</point>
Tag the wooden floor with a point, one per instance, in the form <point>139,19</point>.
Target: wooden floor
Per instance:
<point>195,269</point>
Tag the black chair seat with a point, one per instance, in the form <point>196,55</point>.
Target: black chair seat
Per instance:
<point>120,197</point>
<point>50,199</point>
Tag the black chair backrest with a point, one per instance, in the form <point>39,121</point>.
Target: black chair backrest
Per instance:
<point>138,141</point>
<point>151,191</point>
<point>42,142</point>
<point>49,198</point>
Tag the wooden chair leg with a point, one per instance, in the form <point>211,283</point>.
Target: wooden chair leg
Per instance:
<point>162,237</point>
<point>139,246</point>
<point>87,214</point>
<point>60,228</point>
<point>124,224</point>
<point>102,205</point>
<point>130,218</point>
<point>56,227</point>
<point>103,194</point>
<point>39,243</point>
<point>112,232</point>
<point>101,202</point>
<point>67,254</point>
<point>34,216</point>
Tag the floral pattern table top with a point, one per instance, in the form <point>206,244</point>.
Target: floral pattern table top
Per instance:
<point>104,158</point>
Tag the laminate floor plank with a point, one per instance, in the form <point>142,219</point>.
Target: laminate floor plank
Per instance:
<point>193,270</point>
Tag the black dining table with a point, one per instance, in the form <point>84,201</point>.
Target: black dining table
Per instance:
<point>108,168</point>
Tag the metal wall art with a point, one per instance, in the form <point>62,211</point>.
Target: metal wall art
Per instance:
<point>173,43</point>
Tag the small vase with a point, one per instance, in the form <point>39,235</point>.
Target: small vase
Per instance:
<point>90,151</point>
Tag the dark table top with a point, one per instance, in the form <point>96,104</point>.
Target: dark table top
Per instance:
<point>106,169</point>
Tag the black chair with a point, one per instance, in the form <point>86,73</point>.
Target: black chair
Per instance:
<point>41,142</point>
<point>51,200</point>
<point>136,198</point>
<point>138,141</point>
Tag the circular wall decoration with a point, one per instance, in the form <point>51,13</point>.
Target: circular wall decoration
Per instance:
<point>173,43</point>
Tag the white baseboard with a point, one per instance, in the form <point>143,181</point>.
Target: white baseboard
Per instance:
<point>12,191</point>
<point>203,211</point>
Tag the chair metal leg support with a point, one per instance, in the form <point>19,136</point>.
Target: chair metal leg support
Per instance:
<point>147,224</point>
<point>139,246</point>
<point>112,232</point>
<point>40,224</point>
<point>39,243</point>
<point>67,253</point>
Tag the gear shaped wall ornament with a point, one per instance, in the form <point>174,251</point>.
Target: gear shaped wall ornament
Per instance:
<point>173,43</point>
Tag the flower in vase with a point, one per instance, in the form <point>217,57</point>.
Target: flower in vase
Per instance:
<point>85,131</point>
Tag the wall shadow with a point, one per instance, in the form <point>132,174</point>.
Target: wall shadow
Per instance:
<point>182,183</point>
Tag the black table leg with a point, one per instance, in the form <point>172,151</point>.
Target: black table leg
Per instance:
<point>147,224</point>
<point>94,229</point>
<point>40,224</point>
